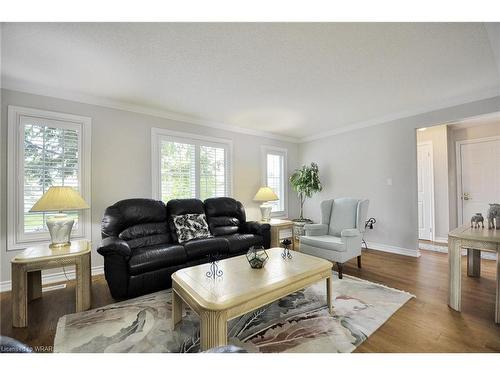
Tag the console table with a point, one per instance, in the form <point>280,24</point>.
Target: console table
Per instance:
<point>474,240</point>
<point>27,275</point>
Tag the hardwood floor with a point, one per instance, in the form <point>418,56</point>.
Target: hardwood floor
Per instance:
<point>424,324</point>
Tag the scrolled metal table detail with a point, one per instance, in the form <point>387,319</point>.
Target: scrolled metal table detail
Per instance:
<point>214,270</point>
<point>286,254</point>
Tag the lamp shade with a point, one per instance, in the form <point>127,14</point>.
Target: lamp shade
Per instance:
<point>60,198</point>
<point>265,194</point>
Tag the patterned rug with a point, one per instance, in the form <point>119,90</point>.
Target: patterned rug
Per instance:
<point>297,323</point>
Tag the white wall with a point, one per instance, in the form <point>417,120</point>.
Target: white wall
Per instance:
<point>121,159</point>
<point>358,163</point>
<point>455,135</point>
<point>438,136</point>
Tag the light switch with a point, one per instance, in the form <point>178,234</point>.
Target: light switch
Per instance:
<point>389,181</point>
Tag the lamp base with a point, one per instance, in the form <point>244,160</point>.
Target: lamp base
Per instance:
<point>265,210</point>
<point>60,226</point>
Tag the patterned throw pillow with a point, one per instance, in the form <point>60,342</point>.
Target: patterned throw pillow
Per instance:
<point>191,226</point>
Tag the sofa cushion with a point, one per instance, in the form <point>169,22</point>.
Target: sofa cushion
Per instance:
<point>191,226</point>
<point>324,242</point>
<point>224,215</point>
<point>147,234</point>
<point>224,225</point>
<point>203,247</point>
<point>149,258</point>
<point>130,212</point>
<point>241,242</point>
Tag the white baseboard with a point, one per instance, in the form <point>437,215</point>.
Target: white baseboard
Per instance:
<point>441,239</point>
<point>393,249</point>
<point>55,277</point>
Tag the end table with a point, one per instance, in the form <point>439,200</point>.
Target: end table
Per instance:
<point>280,230</point>
<point>27,275</point>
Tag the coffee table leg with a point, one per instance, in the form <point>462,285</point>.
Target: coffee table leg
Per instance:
<point>19,296</point>
<point>329,290</point>
<point>213,330</point>
<point>176,309</point>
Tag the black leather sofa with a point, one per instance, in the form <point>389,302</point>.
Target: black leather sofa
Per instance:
<point>140,246</point>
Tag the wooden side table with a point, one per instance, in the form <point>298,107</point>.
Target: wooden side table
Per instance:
<point>280,230</point>
<point>27,275</point>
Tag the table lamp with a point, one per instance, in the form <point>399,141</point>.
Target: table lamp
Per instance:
<point>60,198</point>
<point>264,195</point>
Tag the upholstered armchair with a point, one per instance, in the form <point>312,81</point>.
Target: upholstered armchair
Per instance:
<point>338,237</point>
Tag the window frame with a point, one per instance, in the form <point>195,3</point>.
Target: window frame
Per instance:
<point>17,239</point>
<point>283,152</point>
<point>159,135</point>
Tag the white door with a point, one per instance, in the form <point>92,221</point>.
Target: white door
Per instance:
<point>479,177</point>
<point>425,191</point>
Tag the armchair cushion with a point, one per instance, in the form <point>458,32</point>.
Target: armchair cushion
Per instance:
<point>350,233</point>
<point>114,245</point>
<point>316,229</point>
<point>324,242</point>
<point>343,215</point>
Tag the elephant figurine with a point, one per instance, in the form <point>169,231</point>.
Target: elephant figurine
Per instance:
<point>477,221</point>
<point>494,216</point>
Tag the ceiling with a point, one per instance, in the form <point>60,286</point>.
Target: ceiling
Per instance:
<point>295,81</point>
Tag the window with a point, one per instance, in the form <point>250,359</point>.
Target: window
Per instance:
<point>274,167</point>
<point>190,166</point>
<point>48,149</point>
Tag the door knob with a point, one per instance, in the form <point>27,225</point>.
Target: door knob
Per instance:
<point>466,196</point>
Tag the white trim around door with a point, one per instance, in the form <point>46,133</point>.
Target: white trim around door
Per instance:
<point>458,162</point>
<point>431,177</point>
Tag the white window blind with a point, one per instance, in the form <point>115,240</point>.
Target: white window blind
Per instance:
<point>189,166</point>
<point>45,149</point>
<point>177,170</point>
<point>274,160</point>
<point>51,156</point>
<point>212,172</point>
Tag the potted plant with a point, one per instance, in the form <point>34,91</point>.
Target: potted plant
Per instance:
<point>305,181</point>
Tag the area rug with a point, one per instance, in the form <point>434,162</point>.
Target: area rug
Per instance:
<point>297,323</point>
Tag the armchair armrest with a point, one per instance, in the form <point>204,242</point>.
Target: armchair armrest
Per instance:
<point>114,245</point>
<point>350,233</point>
<point>254,227</point>
<point>316,229</point>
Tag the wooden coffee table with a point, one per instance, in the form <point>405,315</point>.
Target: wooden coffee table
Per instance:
<point>242,289</point>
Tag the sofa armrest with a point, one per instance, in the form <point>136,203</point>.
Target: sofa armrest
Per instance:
<point>261,229</point>
<point>316,229</point>
<point>254,227</point>
<point>114,245</point>
<point>350,233</point>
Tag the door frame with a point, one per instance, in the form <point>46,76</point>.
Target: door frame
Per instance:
<point>458,162</point>
<point>433,214</point>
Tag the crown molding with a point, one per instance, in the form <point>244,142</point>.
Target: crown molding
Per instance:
<point>464,99</point>
<point>34,89</point>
